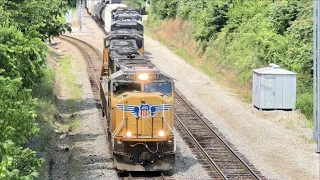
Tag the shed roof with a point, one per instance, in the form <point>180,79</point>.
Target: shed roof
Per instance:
<point>273,69</point>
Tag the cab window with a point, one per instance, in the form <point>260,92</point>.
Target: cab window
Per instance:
<point>162,87</point>
<point>120,88</point>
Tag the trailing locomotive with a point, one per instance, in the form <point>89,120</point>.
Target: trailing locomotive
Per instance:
<point>137,99</point>
<point>109,11</point>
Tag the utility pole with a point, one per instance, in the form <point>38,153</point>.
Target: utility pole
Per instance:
<point>316,73</point>
<point>80,13</point>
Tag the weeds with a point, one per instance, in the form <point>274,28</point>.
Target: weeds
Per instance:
<point>70,81</point>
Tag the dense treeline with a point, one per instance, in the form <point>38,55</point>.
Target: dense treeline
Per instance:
<point>25,26</point>
<point>246,34</point>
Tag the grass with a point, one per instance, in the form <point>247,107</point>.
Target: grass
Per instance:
<point>46,111</point>
<point>184,54</point>
<point>70,81</point>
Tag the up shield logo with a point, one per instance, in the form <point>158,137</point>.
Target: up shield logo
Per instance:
<point>144,110</point>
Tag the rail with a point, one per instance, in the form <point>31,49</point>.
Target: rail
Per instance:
<point>208,152</point>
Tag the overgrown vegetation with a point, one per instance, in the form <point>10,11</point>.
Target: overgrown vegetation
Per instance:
<point>25,25</point>
<point>241,35</point>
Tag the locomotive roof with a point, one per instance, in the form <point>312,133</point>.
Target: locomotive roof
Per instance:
<point>124,31</point>
<point>127,24</point>
<point>123,44</point>
<point>121,74</point>
<point>130,15</point>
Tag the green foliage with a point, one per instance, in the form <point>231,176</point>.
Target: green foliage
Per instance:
<point>21,56</point>
<point>17,120</point>
<point>246,45</point>
<point>207,17</point>
<point>40,18</point>
<point>305,103</point>
<point>282,14</point>
<point>163,9</point>
<point>299,52</point>
<point>17,163</point>
<point>244,35</point>
<point>72,3</point>
<point>136,4</point>
<point>24,25</point>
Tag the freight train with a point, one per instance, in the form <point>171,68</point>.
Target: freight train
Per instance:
<point>137,98</point>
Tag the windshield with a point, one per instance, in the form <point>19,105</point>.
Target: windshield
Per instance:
<point>120,88</point>
<point>163,87</point>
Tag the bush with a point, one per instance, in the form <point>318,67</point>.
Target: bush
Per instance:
<point>21,56</point>
<point>305,103</point>
<point>17,115</point>
<point>18,163</point>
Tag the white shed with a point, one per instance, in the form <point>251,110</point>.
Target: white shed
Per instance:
<point>274,88</point>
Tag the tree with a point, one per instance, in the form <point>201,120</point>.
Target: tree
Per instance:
<point>163,9</point>
<point>41,16</point>
<point>17,115</point>
<point>21,56</point>
<point>17,163</point>
<point>137,4</point>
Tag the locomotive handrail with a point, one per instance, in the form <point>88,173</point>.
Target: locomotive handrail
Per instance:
<point>122,125</point>
<point>118,127</point>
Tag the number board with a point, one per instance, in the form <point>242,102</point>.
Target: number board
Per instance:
<point>135,77</point>
<point>155,76</point>
<point>130,77</point>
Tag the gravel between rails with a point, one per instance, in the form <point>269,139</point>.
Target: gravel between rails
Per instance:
<point>186,166</point>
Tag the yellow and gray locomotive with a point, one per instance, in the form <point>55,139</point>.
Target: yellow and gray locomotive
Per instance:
<point>137,100</point>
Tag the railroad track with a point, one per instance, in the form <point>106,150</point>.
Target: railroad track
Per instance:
<point>93,58</point>
<point>212,150</point>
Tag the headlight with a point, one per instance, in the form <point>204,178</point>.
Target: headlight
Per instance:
<point>129,134</point>
<point>143,76</point>
<point>161,133</point>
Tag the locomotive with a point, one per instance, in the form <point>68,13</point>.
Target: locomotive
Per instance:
<point>137,98</point>
<point>109,11</point>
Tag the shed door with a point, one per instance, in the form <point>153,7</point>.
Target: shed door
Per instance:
<point>269,93</point>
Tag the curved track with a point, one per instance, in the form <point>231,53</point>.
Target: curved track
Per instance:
<point>93,59</point>
<point>211,149</point>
